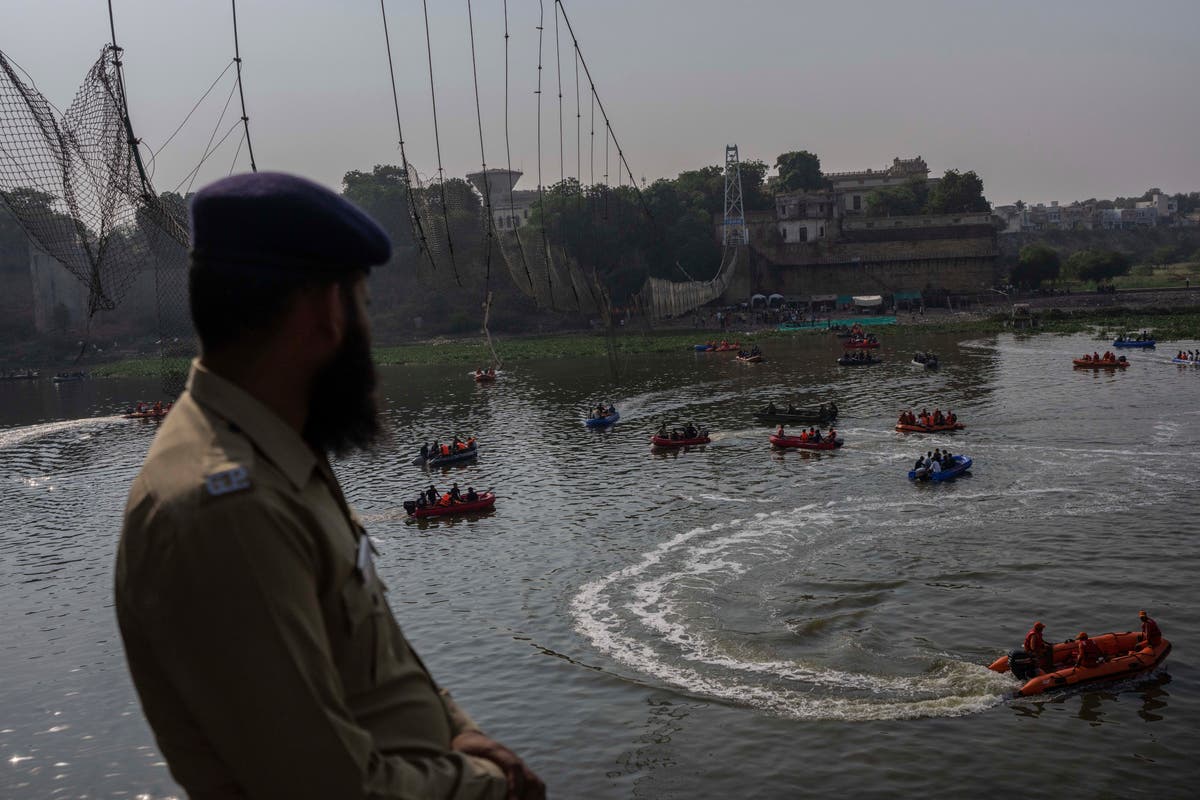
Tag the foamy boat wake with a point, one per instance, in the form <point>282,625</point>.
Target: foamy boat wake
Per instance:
<point>634,615</point>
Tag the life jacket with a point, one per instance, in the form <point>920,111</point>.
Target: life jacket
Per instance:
<point>1034,643</point>
<point>460,446</point>
<point>1087,653</point>
<point>1151,632</point>
<point>445,449</point>
<point>444,500</point>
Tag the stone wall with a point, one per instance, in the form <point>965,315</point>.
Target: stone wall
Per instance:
<point>957,258</point>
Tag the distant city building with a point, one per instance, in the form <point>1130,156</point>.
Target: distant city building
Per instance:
<point>510,206</point>
<point>1160,209</point>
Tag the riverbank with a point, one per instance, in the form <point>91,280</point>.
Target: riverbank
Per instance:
<point>1167,324</point>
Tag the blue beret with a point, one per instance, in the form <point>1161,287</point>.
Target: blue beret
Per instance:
<point>274,221</point>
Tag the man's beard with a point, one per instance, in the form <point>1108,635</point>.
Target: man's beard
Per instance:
<point>343,410</point>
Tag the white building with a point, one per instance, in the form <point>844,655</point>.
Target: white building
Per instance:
<point>853,187</point>
<point>510,206</point>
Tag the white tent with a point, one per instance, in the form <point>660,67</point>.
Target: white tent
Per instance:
<point>868,300</point>
<point>775,300</point>
<point>756,299</point>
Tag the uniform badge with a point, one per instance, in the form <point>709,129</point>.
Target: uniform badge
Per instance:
<point>227,481</point>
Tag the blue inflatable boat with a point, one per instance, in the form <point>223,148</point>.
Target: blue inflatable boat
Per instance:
<point>602,422</point>
<point>961,465</point>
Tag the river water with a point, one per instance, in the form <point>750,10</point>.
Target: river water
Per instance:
<point>723,622</point>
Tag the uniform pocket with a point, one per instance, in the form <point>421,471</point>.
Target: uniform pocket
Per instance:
<point>364,611</point>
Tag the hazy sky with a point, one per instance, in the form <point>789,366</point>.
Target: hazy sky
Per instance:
<point>1045,100</point>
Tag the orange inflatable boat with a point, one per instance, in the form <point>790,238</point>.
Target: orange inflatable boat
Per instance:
<point>1125,654</point>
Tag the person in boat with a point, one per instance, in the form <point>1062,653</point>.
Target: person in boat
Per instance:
<point>791,409</point>
<point>814,435</point>
<point>424,451</point>
<point>833,409</point>
<point>1087,652</point>
<point>1150,632</point>
<point>421,501</point>
<point>445,500</point>
<point>472,495</point>
<point>444,450</point>
<point>662,431</point>
<point>779,430</point>
<point>951,419</point>
<point>832,435</point>
<point>920,465</point>
<point>611,410</point>
<point>755,351</point>
<point>689,431</point>
<point>1035,645</point>
<point>455,494</point>
<point>938,419</point>
<point>823,411</point>
<point>935,465</point>
<point>432,494</point>
<point>771,407</point>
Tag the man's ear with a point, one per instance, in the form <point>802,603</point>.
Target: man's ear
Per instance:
<point>323,316</point>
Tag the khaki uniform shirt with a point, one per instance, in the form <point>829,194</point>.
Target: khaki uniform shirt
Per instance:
<point>259,637</point>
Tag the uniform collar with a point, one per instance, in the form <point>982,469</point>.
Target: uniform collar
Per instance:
<point>277,440</point>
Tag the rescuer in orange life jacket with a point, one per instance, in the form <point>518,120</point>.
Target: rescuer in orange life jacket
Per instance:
<point>1087,652</point>
<point>1150,631</point>
<point>1036,646</point>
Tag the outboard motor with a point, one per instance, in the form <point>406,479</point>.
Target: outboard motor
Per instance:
<point>410,506</point>
<point>1022,664</point>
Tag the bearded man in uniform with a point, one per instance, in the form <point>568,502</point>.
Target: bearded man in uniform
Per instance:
<point>257,631</point>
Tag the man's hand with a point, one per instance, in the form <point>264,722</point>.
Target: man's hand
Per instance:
<point>523,784</point>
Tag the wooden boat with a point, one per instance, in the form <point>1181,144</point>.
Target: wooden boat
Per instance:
<point>754,359</point>
<point>667,441</point>
<point>846,361</point>
<point>485,502</point>
<point>961,465</point>
<point>796,442</point>
<point>484,377</point>
<point>1104,363</point>
<point>602,422</point>
<point>918,428</point>
<point>1125,655</point>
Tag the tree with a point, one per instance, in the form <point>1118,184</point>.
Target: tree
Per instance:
<point>1036,263</point>
<point>799,170</point>
<point>908,198</point>
<point>1098,265</point>
<point>1166,254</point>
<point>957,193</point>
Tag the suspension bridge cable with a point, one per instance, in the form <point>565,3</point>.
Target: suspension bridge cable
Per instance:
<point>508,151</point>
<point>489,220</point>
<point>607,123</point>
<point>208,148</point>
<point>203,97</point>
<point>541,29</point>
<point>237,57</point>
<point>562,170</point>
<point>438,146</point>
<point>413,217</point>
